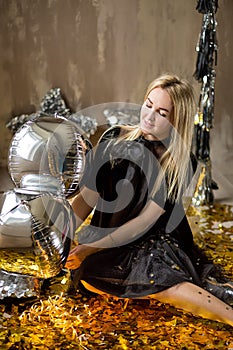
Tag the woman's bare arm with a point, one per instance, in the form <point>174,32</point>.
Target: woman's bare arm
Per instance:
<point>124,234</point>
<point>83,204</point>
<point>132,229</point>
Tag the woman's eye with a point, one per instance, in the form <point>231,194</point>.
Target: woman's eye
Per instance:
<point>148,106</point>
<point>162,114</point>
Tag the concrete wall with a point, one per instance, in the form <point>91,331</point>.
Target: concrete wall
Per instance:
<point>222,133</point>
<point>106,50</point>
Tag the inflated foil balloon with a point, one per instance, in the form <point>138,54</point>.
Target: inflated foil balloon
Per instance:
<point>37,223</point>
<point>36,230</point>
<point>50,147</point>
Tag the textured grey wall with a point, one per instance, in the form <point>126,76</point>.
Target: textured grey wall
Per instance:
<point>222,133</point>
<point>95,51</point>
<point>103,51</point>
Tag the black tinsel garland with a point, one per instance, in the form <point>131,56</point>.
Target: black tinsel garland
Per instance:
<point>205,74</point>
<point>204,6</point>
<point>207,47</point>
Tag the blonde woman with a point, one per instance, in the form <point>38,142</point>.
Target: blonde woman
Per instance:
<point>139,243</point>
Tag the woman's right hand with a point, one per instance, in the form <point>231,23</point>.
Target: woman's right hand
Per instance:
<point>77,255</point>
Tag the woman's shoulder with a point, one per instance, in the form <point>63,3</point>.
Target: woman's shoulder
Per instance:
<point>114,132</point>
<point>110,133</point>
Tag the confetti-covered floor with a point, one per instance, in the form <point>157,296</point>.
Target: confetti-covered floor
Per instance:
<point>59,321</point>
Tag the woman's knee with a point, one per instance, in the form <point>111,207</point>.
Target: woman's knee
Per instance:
<point>174,291</point>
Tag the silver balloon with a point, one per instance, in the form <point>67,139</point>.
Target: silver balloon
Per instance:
<point>18,285</point>
<point>36,230</point>
<point>51,147</point>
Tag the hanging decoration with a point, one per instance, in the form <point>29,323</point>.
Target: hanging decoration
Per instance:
<point>204,6</point>
<point>205,74</point>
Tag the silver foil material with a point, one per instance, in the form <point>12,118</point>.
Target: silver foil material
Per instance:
<point>53,104</point>
<point>122,116</point>
<point>36,230</point>
<point>16,122</point>
<point>87,124</point>
<point>49,147</point>
<point>37,223</point>
<point>14,285</point>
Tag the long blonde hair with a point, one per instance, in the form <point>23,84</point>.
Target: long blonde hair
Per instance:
<point>175,161</point>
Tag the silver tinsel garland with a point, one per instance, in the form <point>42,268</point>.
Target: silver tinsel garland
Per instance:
<point>53,104</point>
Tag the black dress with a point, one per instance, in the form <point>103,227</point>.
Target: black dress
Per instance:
<point>124,174</point>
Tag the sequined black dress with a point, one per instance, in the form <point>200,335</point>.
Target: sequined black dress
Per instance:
<point>165,255</point>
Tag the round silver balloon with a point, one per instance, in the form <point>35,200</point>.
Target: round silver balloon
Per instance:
<point>50,147</point>
<point>36,230</point>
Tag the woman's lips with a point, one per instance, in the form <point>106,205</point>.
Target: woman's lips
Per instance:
<point>147,124</point>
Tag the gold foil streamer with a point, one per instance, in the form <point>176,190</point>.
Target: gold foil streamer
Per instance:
<point>59,321</point>
<point>203,194</point>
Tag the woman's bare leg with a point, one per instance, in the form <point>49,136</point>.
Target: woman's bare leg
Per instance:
<point>92,289</point>
<point>199,302</point>
<point>190,298</point>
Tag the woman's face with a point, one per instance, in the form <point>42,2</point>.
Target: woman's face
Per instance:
<point>156,113</point>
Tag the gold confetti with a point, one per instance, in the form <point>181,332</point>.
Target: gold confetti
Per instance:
<point>60,321</point>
